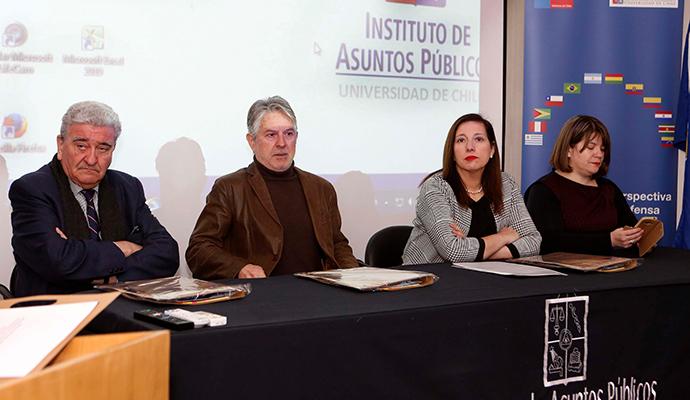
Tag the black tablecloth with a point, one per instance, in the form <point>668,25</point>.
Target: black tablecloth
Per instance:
<point>470,335</point>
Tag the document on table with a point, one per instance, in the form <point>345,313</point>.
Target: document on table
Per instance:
<point>504,268</point>
<point>371,278</point>
<point>30,334</point>
<point>580,262</point>
<point>179,290</point>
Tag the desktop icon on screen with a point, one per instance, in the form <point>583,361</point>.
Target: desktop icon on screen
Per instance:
<point>13,126</point>
<point>15,35</point>
<point>92,38</point>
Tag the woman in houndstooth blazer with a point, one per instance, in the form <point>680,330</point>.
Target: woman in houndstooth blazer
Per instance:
<point>470,210</point>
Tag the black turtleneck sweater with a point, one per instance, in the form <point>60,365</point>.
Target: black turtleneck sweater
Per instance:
<point>301,251</point>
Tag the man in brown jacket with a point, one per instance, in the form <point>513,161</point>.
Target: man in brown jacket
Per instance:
<point>270,218</point>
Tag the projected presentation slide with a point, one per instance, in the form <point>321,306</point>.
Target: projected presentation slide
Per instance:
<point>375,84</point>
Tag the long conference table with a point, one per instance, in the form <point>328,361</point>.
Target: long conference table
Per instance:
<point>471,335</point>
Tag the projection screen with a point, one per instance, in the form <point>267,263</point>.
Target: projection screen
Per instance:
<point>375,86</point>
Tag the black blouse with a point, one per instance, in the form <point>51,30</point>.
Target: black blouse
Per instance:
<point>484,224</point>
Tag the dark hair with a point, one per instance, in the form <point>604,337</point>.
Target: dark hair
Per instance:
<point>573,132</point>
<point>491,176</point>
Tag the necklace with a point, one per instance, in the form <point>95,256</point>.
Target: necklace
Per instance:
<point>481,189</point>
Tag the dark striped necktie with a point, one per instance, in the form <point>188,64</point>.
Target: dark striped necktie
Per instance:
<point>92,215</point>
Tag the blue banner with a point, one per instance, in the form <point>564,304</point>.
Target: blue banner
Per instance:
<point>620,64</point>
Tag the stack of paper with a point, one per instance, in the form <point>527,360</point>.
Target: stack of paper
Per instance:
<point>505,268</point>
<point>30,335</point>
<point>372,279</point>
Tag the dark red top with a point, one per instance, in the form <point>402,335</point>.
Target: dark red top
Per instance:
<point>584,208</point>
<point>577,218</point>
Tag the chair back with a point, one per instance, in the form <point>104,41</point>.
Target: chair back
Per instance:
<point>5,292</point>
<point>385,247</point>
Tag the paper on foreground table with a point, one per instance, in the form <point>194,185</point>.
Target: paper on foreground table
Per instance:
<point>29,334</point>
<point>369,279</point>
<point>504,268</point>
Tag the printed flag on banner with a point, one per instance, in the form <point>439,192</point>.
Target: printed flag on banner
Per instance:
<point>651,102</point>
<point>592,78</point>
<point>667,141</point>
<point>561,3</point>
<point>682,239</point>
<point>571,88</point>
<point>537,126</point>
<point>613,78</point>
<point>541,113</point>
<point>667,129</point>
<point>534,140</point>
<point>663,114</point>
<point>634,88</point>
<point>553,3</point>
<point>554,101</point>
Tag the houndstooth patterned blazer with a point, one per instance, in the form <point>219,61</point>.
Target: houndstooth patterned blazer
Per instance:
<point>432,241</point>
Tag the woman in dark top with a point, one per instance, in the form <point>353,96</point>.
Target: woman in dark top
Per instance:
<point>470,210</point>
<point>574,207</point>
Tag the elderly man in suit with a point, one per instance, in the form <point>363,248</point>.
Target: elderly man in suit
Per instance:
<point>75,222</point>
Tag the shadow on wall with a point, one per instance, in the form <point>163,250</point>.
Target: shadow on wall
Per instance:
<point>182,174</point>
<point>359,211</point>
<point>6,257</point>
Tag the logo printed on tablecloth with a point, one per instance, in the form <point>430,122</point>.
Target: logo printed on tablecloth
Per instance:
<point>565,340</point>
